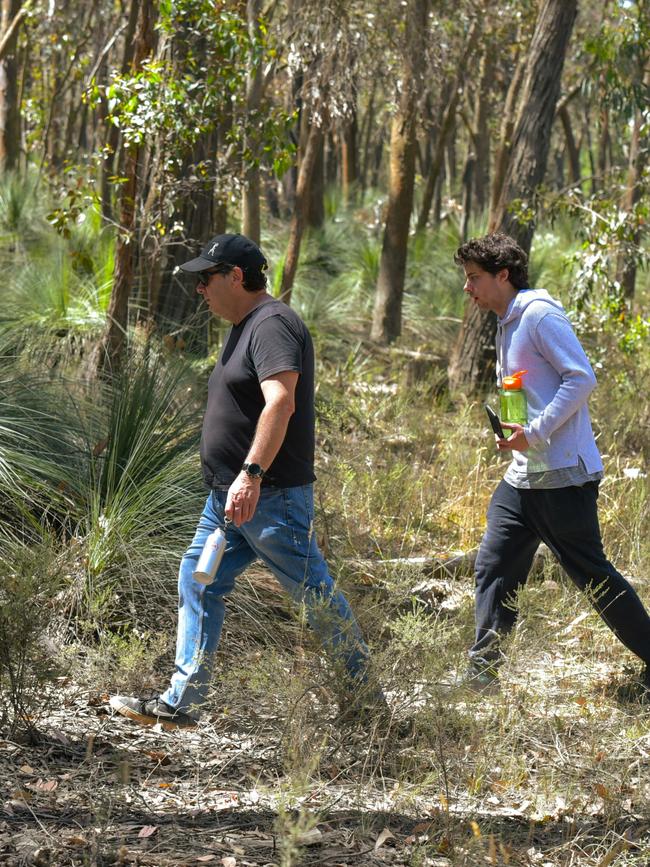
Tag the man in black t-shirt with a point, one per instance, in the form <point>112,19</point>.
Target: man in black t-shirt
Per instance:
<point>257,455</point>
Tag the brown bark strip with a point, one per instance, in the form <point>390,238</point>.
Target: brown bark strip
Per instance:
<point>387,313</point>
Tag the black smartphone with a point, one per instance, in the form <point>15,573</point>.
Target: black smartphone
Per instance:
<point>495,422</point>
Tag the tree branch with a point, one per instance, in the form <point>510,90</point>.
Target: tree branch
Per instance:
<point>7,36</point>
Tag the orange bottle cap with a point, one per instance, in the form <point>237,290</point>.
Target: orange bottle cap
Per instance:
<point>512,382</point>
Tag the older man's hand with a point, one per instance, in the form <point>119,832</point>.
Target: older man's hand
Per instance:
<point>242,498</point>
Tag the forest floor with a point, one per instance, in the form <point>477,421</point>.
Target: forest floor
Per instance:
<point>264,782</point>
<point>98,790</point>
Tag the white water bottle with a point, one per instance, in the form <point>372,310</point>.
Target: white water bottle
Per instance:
<point>211,555</point>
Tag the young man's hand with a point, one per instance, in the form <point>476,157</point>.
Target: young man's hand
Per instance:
<point>242,499</point>
<point>516,438</point>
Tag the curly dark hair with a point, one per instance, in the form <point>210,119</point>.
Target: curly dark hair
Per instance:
<point>494,252</point>
<point>254,279</point>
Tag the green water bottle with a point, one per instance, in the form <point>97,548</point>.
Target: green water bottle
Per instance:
<point>512,400</point>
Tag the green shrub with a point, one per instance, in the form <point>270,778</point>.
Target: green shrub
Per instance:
<point>30,577</point>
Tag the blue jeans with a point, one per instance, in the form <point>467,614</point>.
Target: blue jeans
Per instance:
<point>281,534</point>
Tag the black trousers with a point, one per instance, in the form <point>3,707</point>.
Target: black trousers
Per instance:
<point>566,519</point>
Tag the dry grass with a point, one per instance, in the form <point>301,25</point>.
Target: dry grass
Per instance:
<point>553,770</point>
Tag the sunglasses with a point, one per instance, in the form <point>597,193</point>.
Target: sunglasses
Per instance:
<point>204,276</point>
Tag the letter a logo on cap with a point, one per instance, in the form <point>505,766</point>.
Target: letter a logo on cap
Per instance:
<point>212,249</point>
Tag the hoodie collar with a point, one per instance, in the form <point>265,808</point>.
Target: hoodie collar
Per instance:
<point>525,297</point>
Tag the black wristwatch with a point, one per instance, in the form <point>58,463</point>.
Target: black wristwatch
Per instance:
<point>255,471</point>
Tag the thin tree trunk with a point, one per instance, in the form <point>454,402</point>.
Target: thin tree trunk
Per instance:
<point>436,213</point>
<point>316,194</point>
<point>366,137</point>
<point>638,157</point>
<point>468,181</point>
<point>11,17</point>
<point>450,167</point>
<point>448,123</point>
<point>349,158</point>
<point>112,133</point>
<point>387,313</point>
<point>480,126</point>
<point>290,177</point>
<point>505,136</point>
<point>251,144</point>
<point>108,356</point>
<point>378,156</point>
<point>603,142</point>
<point>299,218</point>
<point>330,159</point>
<point>572,149</point>
<point>472,358</point>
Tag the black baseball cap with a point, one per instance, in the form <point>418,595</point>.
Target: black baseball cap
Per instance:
<point>233,249</point>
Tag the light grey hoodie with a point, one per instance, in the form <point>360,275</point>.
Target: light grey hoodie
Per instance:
<point>535,335</point>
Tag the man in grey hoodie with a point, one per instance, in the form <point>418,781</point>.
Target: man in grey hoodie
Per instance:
<point>550,489</point>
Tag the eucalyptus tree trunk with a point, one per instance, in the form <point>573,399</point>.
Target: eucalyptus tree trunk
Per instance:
<point>10,18</point>
<point>109,353</point>
<point>446,127</point>
<point>634,188</point>
<point>472,358</point>
<point>481,133</point>
<point>301,203</point>
<point>349,158</point>
<point>316,195</point>
<point>387,313</point>
<point>505,135</point>
<point>251,143</point>
<point>604,142</point>
<point>366,138</point>
<point>112,133</point>
<point>468,184</point>
<point>572,148</point>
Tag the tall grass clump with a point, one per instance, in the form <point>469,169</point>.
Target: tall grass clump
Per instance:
<point>22,215</point>
<point>56,300</point>
<point>143,484</point>
<point>42,448</point>
<point>433,297</point>
<point>329,294</point>
<point>113,466</point>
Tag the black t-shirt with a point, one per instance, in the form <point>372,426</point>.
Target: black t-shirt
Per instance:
<point>271,339</point>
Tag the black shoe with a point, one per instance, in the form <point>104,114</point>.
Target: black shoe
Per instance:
<point>481,678</point>
<point>151,712</point>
